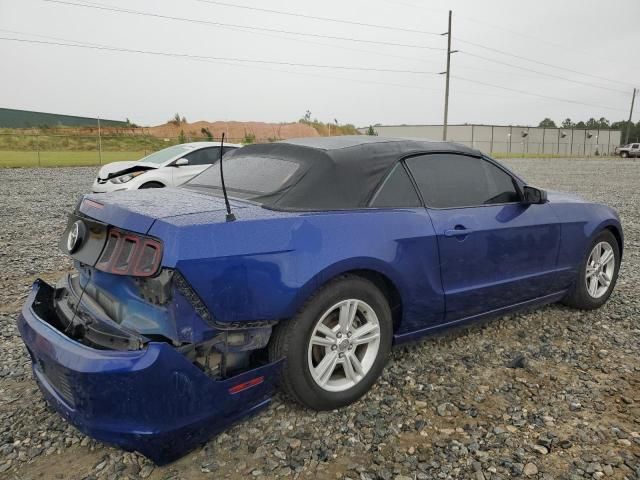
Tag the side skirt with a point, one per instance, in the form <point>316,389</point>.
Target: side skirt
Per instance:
<point>536,302</point>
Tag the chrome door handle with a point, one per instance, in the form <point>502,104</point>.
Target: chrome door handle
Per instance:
<point>457,232</point>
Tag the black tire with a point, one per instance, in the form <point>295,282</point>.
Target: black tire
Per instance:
<point>579,297</point>
<point>151,185</point>
<point>624,154</point>
<point>290,340</point>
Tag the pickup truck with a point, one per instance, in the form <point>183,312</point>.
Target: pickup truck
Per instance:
<point>630,150</point>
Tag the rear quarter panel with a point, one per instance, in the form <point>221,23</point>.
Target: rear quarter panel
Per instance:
<point>265,265</point>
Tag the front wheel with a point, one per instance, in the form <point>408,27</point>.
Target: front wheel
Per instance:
<point>336,346</point>
<point>624,154</point>
<point>598,273</point>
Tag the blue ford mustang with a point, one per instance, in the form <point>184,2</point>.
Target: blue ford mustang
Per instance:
<point>179,319</point>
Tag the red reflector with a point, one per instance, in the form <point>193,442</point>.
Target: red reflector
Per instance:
<point>91,203</point>
<point>244,386</point>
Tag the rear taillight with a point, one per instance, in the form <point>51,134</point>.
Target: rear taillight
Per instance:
<point>130,254</point>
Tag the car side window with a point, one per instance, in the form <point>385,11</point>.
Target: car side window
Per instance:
<point>454,181</point>
<point>204,156</point>
<point>226,150</point>
<point>212,155</point>
<point>396,191</point>
<point>635,145</point>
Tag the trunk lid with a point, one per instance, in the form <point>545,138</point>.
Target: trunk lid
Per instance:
<point>137,210</point>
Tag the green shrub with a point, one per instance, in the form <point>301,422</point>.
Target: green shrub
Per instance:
<point>249,138</point>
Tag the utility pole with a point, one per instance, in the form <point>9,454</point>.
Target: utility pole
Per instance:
<point>447,73</point>
<point>626,135</point>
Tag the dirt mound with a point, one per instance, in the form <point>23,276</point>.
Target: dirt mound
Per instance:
<point>235,131</point>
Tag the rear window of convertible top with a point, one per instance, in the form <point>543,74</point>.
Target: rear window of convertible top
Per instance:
<point>248,177</point>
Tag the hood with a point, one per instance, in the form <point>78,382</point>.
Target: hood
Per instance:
<point>563,197</point>
<point>116,169</point>
<point>137,210</point>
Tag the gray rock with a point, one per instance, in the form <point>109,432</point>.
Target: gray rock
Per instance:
<point>146,470</point>
<point>573,406</point>
<point>530,469</point>
<point>540,449</point>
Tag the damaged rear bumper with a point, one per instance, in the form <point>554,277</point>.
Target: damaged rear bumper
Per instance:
<point>153,400</point>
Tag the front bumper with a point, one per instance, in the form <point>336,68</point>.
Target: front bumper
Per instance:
<point>154,401</point>
<point>108,187</point>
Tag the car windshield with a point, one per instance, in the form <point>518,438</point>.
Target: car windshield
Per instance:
<point>248,177</point>
<point>166,154</point>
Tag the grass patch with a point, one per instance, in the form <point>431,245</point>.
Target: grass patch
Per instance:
<point>14,159</point>
<point>86,143</point>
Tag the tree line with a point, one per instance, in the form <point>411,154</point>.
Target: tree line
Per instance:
<point>602,123</point>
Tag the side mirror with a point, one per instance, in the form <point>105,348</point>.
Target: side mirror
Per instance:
<point>533,195</point>
<point>181,162</point>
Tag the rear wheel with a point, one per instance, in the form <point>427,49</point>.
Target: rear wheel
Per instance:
<point>598,273</point>
<point>336,346</point>
<point>152,185</point>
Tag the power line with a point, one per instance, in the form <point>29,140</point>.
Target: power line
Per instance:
<point>502,52</point>
<point>500,27</point>
<point>261,67</point>
<point>276,32</point>
<point>265,32</point>
<point>226,59</point>
<point>308,74</point>
<point>312,17</point>
<point>98,6</point>
<point>261,63</point>
<point>531,37</point>
<point>551,75</point>
<point>548,97</point>
<point>565,47</point>
<point>49,37</point>
<point>280,12</point>
<point>279,70</point>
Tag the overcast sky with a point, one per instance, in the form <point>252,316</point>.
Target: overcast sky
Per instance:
<point>600,38</point>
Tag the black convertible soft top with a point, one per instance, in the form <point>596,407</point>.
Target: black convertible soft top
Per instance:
<point>331,172</point>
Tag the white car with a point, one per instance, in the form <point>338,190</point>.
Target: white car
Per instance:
<point>169,167</point>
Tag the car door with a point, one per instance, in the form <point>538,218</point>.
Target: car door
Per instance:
<point>416,256</point>
<point>198,160</point>
<point>634,151</point>
<point>495,251</point>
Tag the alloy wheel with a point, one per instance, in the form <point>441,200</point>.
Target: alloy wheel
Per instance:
<point>344,345</point>
<point>600,269</point>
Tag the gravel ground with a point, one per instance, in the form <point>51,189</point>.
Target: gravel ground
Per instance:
<point>551,393</point>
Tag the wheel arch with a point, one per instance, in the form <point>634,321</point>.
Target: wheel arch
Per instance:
<point>383,279</point>
<point>162,184</point>
<point>617,233</point>
<point>388,289</point>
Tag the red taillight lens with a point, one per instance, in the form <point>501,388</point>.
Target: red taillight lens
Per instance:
<point>130,254</point>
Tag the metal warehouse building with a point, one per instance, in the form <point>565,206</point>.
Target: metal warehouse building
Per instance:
<point>513,139</point>
<point>11,118</point>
